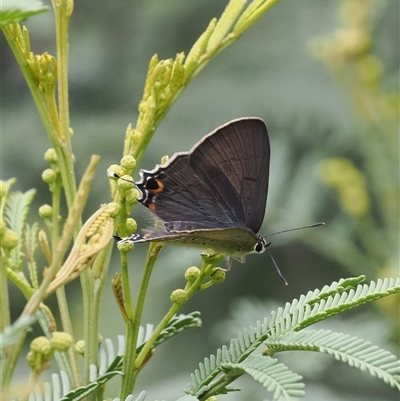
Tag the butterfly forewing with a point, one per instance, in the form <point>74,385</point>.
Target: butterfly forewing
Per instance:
<point>234,162</point>
<point>213,196</point>
<point>181,195</point>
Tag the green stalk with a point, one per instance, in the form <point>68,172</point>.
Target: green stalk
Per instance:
<point>67,328</point>
<point>190,291</point>
<point>4,296</point>
<point>129,368</point>
<point>93,283</point>
<point>63,10</point>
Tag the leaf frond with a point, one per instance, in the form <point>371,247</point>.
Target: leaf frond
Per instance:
<point>275,377</point>
<point>175,326</point>
<point>16,212</point>
<point>16,11</point>
<point>352,350</point>
<point>308,309</point>
<point>31,243</point>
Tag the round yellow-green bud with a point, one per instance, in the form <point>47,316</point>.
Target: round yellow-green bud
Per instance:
<point>3,189</point>
<point>113,208</point>
<point>125,183</point>
<point>49,175</point>
<point>46,211</point>
<point>218,275</point>
<point>179,297</point>
<point>41,345</point>
<point>50,156</point>
<point>128,162</point>
<point>132,196</point>
<point>115,171</point>
<point>80,347</point>
<point>131,225</point>
<point>192,273</point>
<point>9,239</point>
<point>125,246</point>
<point>61,341</point>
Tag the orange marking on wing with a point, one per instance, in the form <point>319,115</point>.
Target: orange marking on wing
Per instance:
<point>160,187</point>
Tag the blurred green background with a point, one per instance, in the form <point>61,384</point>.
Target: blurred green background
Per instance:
<point>313,114</point>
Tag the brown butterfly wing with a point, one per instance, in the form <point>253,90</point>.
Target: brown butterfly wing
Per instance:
<point>222,183</point>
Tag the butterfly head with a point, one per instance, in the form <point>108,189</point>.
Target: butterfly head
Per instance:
<point>261,245</point>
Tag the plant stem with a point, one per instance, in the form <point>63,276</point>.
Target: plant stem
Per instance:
<point>194,287</point>
<point>67,328</point>
<point>129,368</point>
<point>4,296</point>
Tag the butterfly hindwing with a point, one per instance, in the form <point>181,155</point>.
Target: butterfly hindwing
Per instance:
<point>232,241</point>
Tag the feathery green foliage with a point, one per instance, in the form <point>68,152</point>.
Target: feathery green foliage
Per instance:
<point>73,249</point>
<point>16,213</point>
<point>17,10</point>
<point>281,331</point>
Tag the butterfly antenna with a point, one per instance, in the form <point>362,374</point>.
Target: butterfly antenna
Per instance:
<point>321,223</point>
<point>276,266</point>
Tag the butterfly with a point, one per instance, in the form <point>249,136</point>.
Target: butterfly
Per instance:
<point>214,196</point>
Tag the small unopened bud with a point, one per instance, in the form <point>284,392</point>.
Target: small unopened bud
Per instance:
<point>125,246</point>
<point>61,341</point>
<point>49,175</point>
<point>50,156</point>
<point>41,345</point>
<point>9,239</point>
<point>128,162</point>
<point>132,196</point>
<point>80,347</point>
<point>46,211</point>
<point>217,275</point>
<point>179,297</point>
<point>125,183</point>
<point>131,225</point>
<point>113,208</point>
<point>192,273</point>
<point>115,171</point>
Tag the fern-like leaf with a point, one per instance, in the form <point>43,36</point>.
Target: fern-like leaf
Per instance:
<point>307,310</point>
<point>345,348</point>
<point>16,212</point>
<point>274,376</point>
<point>31,243</point>
<point>346,300</point>
<point>176,325</point>
<point>110,360</point>
<point>18,10</point>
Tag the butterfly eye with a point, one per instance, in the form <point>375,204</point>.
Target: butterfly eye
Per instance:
<point>261,245</point>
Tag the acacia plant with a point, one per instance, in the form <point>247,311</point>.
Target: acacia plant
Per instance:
<point>75,249</point>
